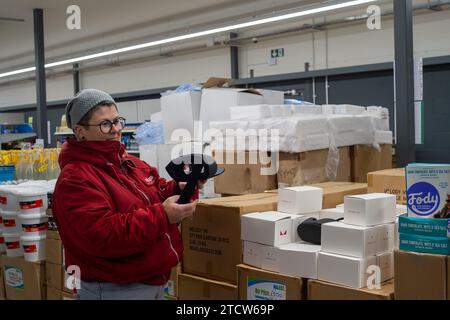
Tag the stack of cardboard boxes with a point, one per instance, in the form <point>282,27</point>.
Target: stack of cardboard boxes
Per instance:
<point>212,245</point>
<point>422,264</point>
<point>56,275</point>
<point>279,265</point>
<point>363,240</point>
<point>213,250</point>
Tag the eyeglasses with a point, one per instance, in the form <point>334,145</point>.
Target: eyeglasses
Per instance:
<point>106,125</point>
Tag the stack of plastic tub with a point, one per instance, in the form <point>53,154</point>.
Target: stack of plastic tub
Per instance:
<point>32,200</point>
<point>2,239</point>
<point>11,226</point>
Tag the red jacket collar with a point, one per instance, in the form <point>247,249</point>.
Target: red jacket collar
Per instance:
<point>98,153</point>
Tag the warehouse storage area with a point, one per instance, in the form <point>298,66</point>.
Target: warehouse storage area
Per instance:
<point>224,150</point>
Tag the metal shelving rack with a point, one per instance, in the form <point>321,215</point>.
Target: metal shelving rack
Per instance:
<point>10,137</point>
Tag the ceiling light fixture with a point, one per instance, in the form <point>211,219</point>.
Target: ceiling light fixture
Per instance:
<point>196,35</point>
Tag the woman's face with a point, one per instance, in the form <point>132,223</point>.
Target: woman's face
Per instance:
<point>93,131</point>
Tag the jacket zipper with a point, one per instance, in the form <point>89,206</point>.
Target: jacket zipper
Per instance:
<point>142,192</point>
<point>135,184</point>
<point>167,235</point>
<point>173,249</point>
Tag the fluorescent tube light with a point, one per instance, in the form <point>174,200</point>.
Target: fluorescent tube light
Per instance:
<point>196,35</point>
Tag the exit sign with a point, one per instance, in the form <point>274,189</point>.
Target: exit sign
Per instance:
<point>277,53</point>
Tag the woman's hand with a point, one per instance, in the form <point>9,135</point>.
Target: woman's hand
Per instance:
<point>176,212</point>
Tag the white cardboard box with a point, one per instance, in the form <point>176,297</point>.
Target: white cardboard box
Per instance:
<point>272,96</point>
<point>344,270</point>
<point>252,253</point>
<point>300,200</point>
<point>385,238</point>
<point>270,258</point>
<point>271,228</point>
<point>216,103</point>
<point>298,260</point>
<point>369,209</point>
<point>350,240</point>
<point>386,263</point>
<point>179,111</point>
<point>332,213</point>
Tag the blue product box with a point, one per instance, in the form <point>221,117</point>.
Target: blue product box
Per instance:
<point>424,244</point>
<point>424,226</point>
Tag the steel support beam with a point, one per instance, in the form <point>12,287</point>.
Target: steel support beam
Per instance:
<point>76,78</point>
<point>404,82</point>
<point>234,56</point>
<point>39,60</point>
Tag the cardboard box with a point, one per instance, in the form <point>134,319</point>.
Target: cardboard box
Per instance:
<point>53,294</point>
<point>23,280</point>
<point>257,284</point>
<point>252,253</point>
<point>428,190</point>
<point>272,96</point>
<point>2,282</point>
<point>212,238</point>
<point>197,288</point>
<point>53,235</point>
<point>298,260</point>
<point>272,228</point>
<point>171,288</point>
<point>296,169</point>
<point>54,251</point>
<point>179,111</point>
<point>335,191</point>
<point>424,226</point>
<point>418,243</point>
<point>319,290</point>
<point>355,241</point>
<point>369,209</point>
<point>246,165</point>
<point>386,263</point>
<point>332,213</point>
<point>420,276</point>
<point>344,270</point>
<point>55,276</point>
<point>301,200</point>
<point>216,101</point>
<point>366,159</point>
<point>390,181</point>
<point>385,237</point>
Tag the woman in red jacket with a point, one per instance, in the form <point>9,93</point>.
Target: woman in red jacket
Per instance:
<point>116,217</point>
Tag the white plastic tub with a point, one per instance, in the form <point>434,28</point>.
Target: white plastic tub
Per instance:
<point>33,247</point>
<point>13,246</point>
<point>2,243</point>
<point>31,199</point>
<point>8,200</point>
<point>33,224</point>
<point>11,222</point>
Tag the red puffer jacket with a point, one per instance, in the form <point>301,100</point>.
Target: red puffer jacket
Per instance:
<point>107,206</point>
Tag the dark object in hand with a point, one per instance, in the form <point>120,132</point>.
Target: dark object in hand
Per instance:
<point>192,168</point>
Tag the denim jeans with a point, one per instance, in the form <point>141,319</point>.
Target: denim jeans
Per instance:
<point>110,291</point>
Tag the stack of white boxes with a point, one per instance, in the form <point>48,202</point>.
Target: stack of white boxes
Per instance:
<point>361,245</point>
<point>270,238</point>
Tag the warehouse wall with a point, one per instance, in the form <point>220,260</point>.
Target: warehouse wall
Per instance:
<point>337,47</point>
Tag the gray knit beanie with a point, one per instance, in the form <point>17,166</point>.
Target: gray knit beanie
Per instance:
<point>84,101</point>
